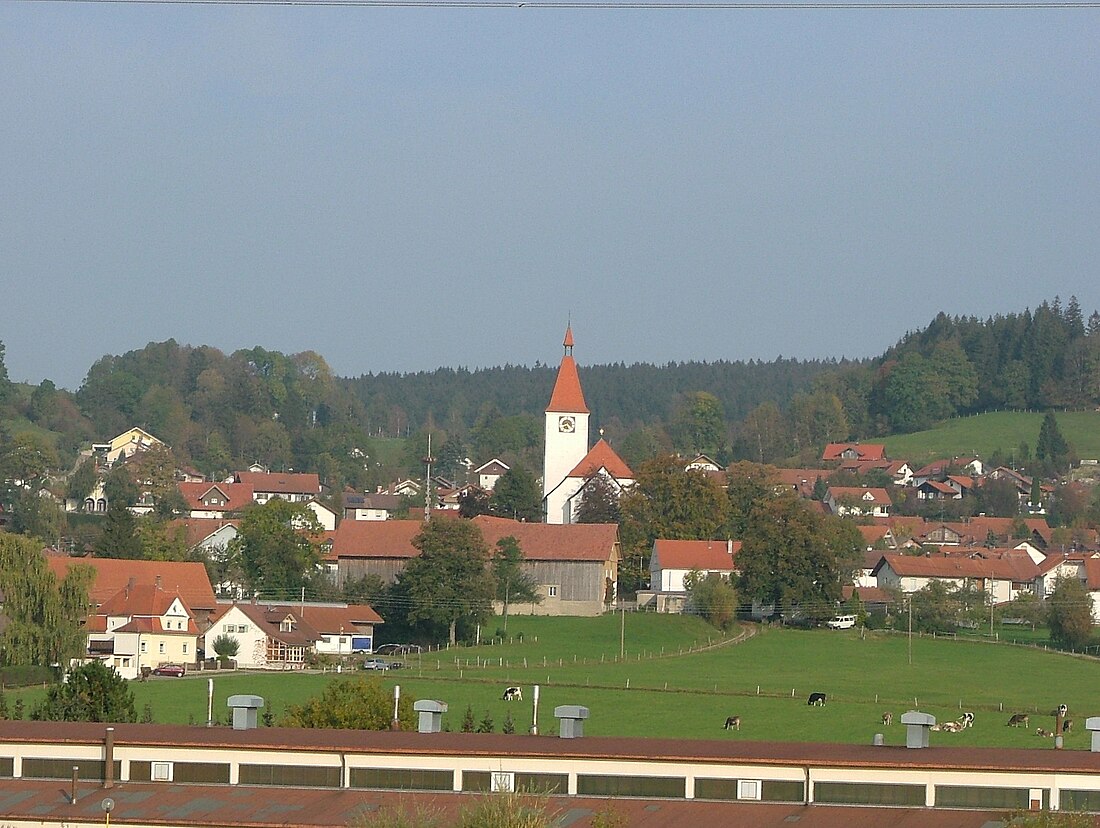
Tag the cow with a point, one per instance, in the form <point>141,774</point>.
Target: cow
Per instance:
<point>952,727</point>
<point>816,699</point>
<point>966,720</point>
<point>512,694</point>
<point>1060,710</point>
<point>1067,725</point>
<point>887,719</point>
<point>733,722</point>
<point>1041,732</point>
<point>1018,719</point>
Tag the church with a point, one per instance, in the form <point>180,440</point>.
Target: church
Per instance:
<point>570,465</point>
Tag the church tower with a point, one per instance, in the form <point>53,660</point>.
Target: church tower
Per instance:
<point>566,434</point>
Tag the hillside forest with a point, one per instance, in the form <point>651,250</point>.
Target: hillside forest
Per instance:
<point>221,412</point>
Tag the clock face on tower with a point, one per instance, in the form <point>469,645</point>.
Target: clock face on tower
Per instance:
<point>567,425</point>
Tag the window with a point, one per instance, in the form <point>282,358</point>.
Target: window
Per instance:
<point>229,628</point>
<point>185,649</point>
<point>552,591</point>
<point>143,646</point>
<point>748,789</point>
<point>161,648</point>
<point>161,771</point>
<point>242,628</point>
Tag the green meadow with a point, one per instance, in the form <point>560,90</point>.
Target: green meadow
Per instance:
<point>682,679</point>
<point>984,434</point>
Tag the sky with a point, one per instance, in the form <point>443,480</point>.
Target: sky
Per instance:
<point>400,189</point>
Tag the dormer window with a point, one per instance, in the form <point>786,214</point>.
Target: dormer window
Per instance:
<point>287,624</point>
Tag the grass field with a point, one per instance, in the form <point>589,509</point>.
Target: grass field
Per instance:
<point>657,691</point>
<point>984,434</point>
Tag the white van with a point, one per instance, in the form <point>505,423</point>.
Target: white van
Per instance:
<point>842,622</point>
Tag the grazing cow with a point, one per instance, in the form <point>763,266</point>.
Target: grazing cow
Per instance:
<point>887,719</point>
<point>1018,719</point>
<point>733,722</point>
<point>1040,732</point>
<point>966,720</point>
<point>816,699</point>
<point>512,694</point>
<point>1067,725</point>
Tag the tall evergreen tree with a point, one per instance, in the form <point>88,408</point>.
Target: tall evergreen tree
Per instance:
<point>516,495</point>
<point>1052,447</point>
<point>119,538</point>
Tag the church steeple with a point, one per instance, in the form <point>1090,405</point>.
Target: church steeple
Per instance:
<point>568,396</point>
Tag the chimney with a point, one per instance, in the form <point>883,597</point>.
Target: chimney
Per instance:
<point>109,758</point>
<point>158,582</point>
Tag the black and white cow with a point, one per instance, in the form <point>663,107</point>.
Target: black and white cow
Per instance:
<point>733,722</point>
<point>966,719</point>
<point>816,699</point>
<point>512,694</point>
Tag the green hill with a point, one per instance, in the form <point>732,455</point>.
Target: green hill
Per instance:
<point>984,434</point>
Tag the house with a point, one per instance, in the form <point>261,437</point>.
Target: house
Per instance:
<point>325,516</point>
<point>209,537</point>
<point>1005,578</point>
<point>855,501</point>
<point>184,578</point>
<point>671,561</point>
<point>375,506</point>
<point>125,445</point>
<point>702,463</point>
<point>285,637</point>
<point>936,490</point>
<point>835,452</point>
<point>295,487</point>
<point>141,627</point>
<point>489,473</point>
<point>215,500</point>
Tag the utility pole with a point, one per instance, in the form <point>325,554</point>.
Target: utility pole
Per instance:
<point>909,601</point>
<point>428,483</point>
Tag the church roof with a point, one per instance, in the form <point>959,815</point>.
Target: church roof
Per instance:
<point>568,397</point>
<point>602,456</point>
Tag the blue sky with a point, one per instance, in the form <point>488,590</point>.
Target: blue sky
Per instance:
<point>399,189</point>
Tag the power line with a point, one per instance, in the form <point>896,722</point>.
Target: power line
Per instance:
<point>602,5</point>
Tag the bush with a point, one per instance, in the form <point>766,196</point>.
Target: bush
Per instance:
<point>25,675</point>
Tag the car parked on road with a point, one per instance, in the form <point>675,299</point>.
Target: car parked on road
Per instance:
<point>376,664</point>
<point>176,670</point>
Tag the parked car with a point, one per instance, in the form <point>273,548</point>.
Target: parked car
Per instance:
<point>376,664</point>
<point>842,622</point>
<point>176,670</point>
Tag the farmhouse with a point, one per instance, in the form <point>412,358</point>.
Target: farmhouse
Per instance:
<point>1006,578</point>
<point>671,561</point>
<point>571,563</point>
<point>284,637</point>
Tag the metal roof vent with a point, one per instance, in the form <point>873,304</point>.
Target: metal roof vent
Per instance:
<point>917,726</point>
<point>1093,724</point>
<point>244,711</point>
<point>431,715</point>
<point>570,720</point>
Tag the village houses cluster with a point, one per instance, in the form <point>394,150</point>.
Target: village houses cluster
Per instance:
<point>147,613</point>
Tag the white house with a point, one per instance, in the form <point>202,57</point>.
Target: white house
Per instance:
<point>489,473</point>
<point>672,561</point>
<point>855,501</point>
<point>1004,577</point>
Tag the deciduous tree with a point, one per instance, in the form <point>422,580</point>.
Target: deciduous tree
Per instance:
<point>1069,614</point>
<point>448,581</point>
<point>516,495</point>
<point>712,597</point>
<point>512,584</point>
<point>277,547</point>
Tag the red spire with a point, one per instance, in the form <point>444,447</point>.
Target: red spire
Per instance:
<point>568,396</point>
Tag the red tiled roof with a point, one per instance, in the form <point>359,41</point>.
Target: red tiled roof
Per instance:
<point>310,622</point>
<point>553,542</point>
<point>865,451</point>
<point>235,495</point>
<point>940,566</point>
<point>602,456</point>
<point>704,555</point>
<point>567,396</point>
<point>376,539</point>
<point>874,533</point>
<point>281,483</point>
<point>188,579</point>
